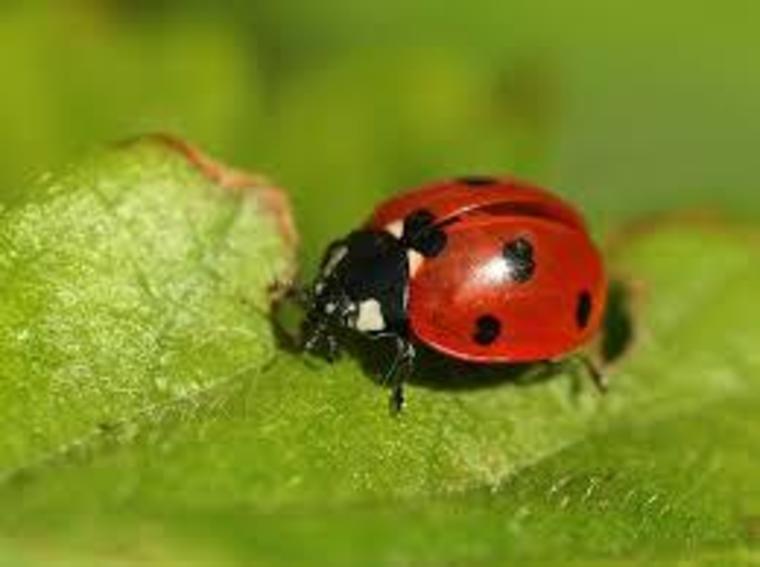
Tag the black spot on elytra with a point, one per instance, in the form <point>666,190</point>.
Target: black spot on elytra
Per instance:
<point>519,255</point>
<point>422,234</point>
<point>487,330</point>
<point>478,180</point>
<point>418,221</point>
<point>432,243</point>
<point>583,309</point>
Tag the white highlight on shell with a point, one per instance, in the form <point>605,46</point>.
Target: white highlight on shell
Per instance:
<point>396,228</point>
<point>370,317</point>
<point>497,271</point>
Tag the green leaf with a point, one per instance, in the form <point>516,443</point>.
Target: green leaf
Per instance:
<point>132,281</point>
<point>152,417</point>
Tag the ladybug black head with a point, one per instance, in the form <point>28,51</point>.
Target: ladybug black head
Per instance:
<point>361,285</point>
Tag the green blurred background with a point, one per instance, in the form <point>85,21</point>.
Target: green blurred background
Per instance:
<point>625,107</point>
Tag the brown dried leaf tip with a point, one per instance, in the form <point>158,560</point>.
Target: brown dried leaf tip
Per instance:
<point>273,200</point>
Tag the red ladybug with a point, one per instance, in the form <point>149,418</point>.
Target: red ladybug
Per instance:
<point>482,269</point>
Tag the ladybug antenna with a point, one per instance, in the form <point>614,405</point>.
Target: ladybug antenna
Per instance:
<point>290,291</point>
<point>303,296</point>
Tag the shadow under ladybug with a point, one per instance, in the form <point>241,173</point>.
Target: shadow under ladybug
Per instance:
<point>438,372</point>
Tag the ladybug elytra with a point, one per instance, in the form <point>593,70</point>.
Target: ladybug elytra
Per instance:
<point>481,269</point>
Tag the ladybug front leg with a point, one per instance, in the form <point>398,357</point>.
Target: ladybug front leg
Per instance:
<point>400,368</point>
<point>320,338</point>
<point>332,346</point>
<point>311,337</point>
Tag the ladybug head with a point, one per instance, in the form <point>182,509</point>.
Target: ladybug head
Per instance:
<point>331,304</point>
<point>361,286</point>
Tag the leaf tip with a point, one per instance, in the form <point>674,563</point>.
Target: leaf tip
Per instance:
<point>273,200</point>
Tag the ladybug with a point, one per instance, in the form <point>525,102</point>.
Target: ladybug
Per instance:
<point>481,269</point>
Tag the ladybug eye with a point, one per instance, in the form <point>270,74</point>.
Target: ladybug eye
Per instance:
<point>583,309</point>
<point>519,256</point>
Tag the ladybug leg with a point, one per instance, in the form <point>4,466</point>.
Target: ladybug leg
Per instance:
<point>311,339</point>
<point>402,365</point>
<point>594,372</point>
<point>539,371</point>
<point>546,368</point>
<point>333,346</point>
<point>315,332</point>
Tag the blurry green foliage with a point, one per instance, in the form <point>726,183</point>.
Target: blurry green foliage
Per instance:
<point>626,108</point>
<point>215,446</point>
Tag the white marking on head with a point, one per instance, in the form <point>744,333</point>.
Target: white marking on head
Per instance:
<point>370,317</point>
<point>415,260</point>
<point>396,228</point>
<point>330,308</point>
<point>335,257</point>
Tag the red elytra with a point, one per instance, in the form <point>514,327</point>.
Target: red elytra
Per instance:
<point>467,302</point>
